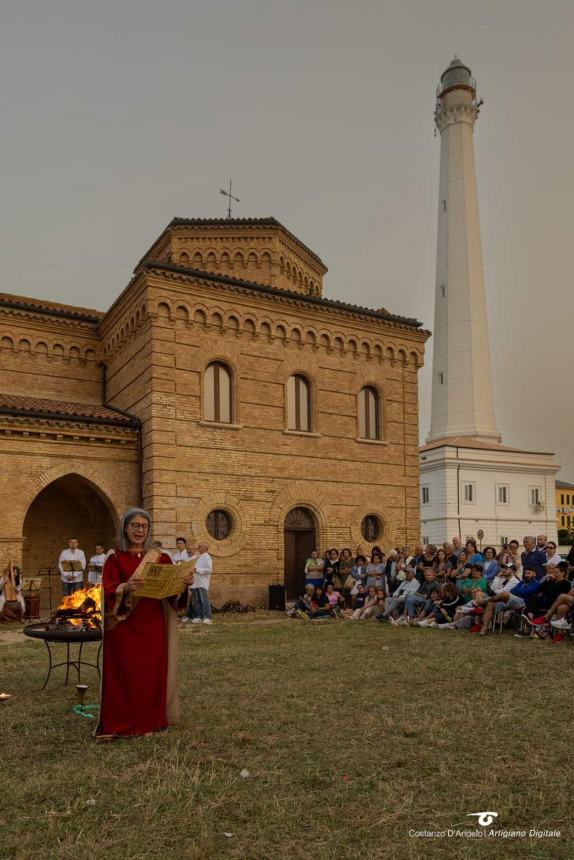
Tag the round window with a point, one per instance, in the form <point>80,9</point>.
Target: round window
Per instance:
<point>371,528</point>
<point>219,524</point>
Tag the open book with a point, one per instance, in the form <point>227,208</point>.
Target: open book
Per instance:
<point>72,566</point>
<point>164,580</point>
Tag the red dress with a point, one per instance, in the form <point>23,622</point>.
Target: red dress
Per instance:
<point>134,671</point>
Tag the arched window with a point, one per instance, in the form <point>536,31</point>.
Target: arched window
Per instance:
<point>369,413</point>
<point>298,404</point>
<point>218,393</point>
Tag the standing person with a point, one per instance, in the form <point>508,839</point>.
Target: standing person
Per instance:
<point>457,546</point>
<point>541,541</point>
<point>157,544</point>
<point>331,568</point>
<point>139,692</point>
<point>376,571</point>
<point>514,557</point>
<point>182,553</point>
<point>200,606</point>
<point>96,565</point>
<point>532,557</point>
<point>314,570</point>
<point>344,571</point>
<point>72,580</point>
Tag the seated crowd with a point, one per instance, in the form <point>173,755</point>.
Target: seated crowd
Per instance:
<point>450,587</point>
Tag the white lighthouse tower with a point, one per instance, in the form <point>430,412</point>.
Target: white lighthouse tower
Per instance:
<point>462,397</point>
<point>470,483</point>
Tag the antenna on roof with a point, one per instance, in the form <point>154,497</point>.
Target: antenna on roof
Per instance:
<point>230,197</point>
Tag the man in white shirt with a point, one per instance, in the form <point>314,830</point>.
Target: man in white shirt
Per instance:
<point>199,611</point>
<point>182,553</point>
<point>410,585</point>
<point>96,565</point>
<point>72,580</point>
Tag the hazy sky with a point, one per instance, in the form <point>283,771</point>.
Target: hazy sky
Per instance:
<point>119,115</point>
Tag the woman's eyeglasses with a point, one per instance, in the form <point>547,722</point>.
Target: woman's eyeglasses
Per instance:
<point>138,527</point>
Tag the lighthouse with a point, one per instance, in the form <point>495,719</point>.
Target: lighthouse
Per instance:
<point>471,484</point>
<point>462,393</point>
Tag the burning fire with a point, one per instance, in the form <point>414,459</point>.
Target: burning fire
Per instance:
<point>82,608</point>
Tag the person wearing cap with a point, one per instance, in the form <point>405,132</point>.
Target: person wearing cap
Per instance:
<point>474,579</point>
<point>505,579</point>
<point>409,585</point>
<point>513,598</point>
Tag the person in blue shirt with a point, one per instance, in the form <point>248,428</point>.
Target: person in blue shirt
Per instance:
<point>491,566</point>
<point>533,557</point>
<point>514,599</point>
<point>474,556</point>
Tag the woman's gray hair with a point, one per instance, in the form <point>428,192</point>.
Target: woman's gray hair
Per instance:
<point>127,518</point>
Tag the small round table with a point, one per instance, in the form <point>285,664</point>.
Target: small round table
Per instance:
<point>69,638</point>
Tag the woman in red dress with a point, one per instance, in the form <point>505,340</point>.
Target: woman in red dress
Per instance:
<point>139,692</point>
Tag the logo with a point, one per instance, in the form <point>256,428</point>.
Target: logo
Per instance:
<point>485,819</point>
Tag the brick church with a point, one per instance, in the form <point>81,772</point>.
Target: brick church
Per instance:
<point>223,392</point>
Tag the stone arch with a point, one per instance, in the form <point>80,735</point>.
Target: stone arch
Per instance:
<point>378,351</point>
<point>225,259</point>
<point>265,329</point>
<point>233,322</point>
<point>41,348</point>
<point>281,331</point>
<point>198,259</point>
<point>252,258</point>
<point>24,345</point>
<point>339,343</point>
<point>238,259</point>
<point>7,342</point>
<point>390,353</point>
<point>325,341</point>
<point>182,313</point>
<point>63,503</point>
<point>164,310</point>
<point>58,351</point>
<point>200,316</point>
<point>217,319</point>
<point>266,261</point>
<point>75,353</point>
<point>184,258</point>
<point>414,357</point>
<point>90,355</point>
<point>301,495</point>
<point>366,348</point>
<point>311,337</point>
<point>297,334</point>
<point>353,346</point>
<point>211,260</point>
<point>402,355</point>
<point>249,325</point>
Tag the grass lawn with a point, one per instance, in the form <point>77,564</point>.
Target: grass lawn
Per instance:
<point>352,733</point>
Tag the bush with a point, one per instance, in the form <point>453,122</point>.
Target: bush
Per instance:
<point>565,537</point>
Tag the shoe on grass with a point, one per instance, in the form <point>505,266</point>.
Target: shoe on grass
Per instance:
<point>561,624</point>
<point>207,621</point>
<point>196,621</point>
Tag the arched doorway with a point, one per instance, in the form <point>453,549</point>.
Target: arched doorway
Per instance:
<point>68,507</point>
<point>299,537</point>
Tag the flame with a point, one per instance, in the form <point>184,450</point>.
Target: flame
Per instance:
<point>75,601</point>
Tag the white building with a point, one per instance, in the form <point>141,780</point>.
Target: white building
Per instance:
<point>469,480</point>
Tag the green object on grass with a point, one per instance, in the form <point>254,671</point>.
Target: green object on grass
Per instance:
<point>83,710</point>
